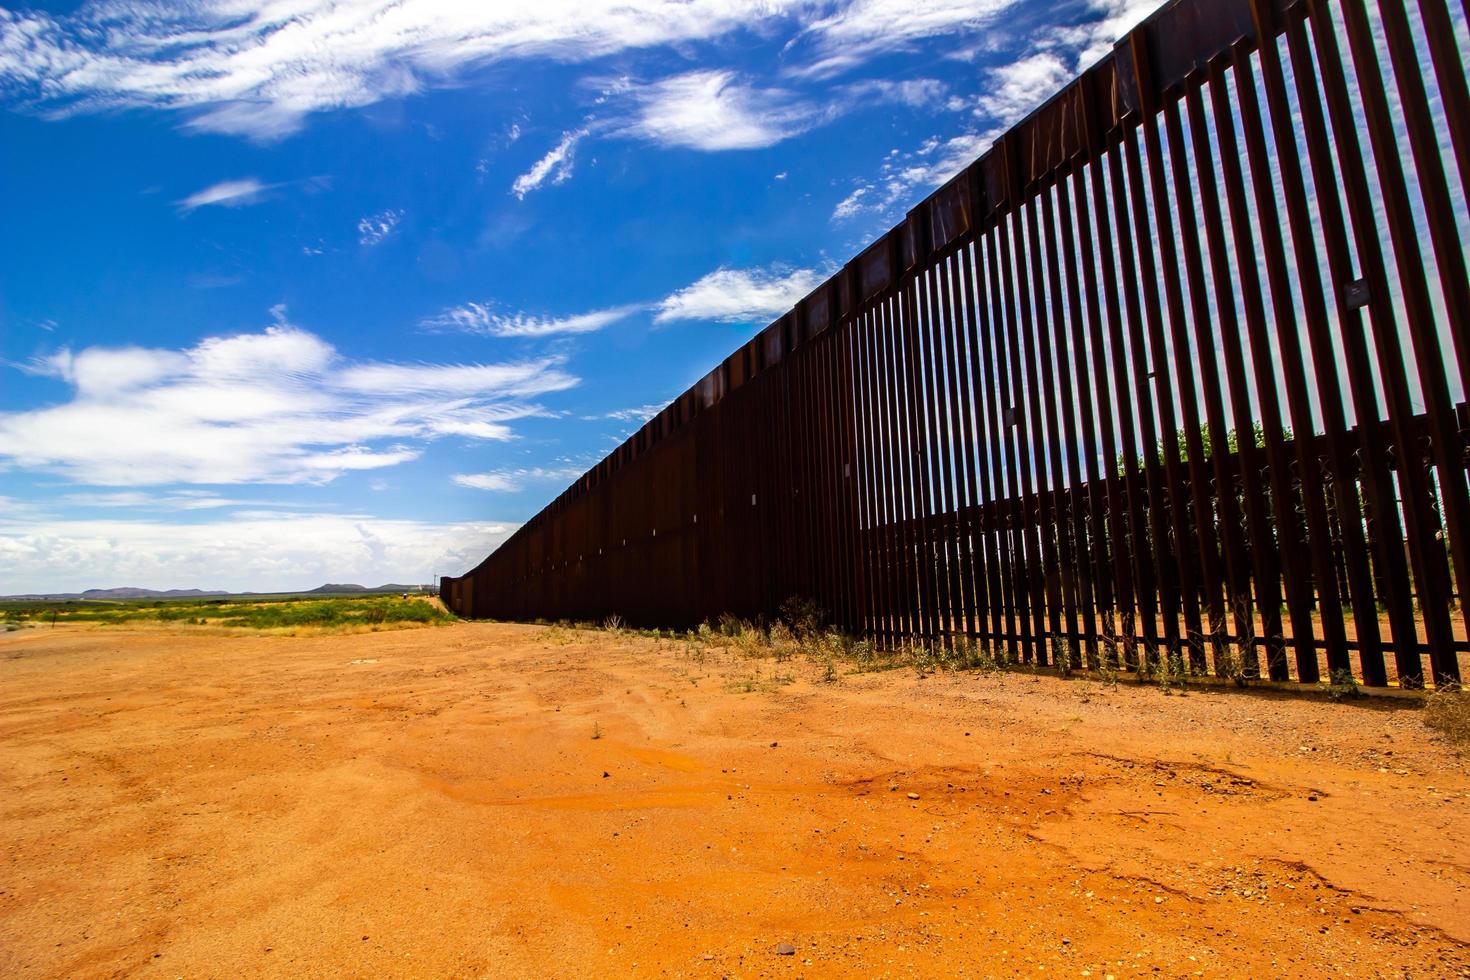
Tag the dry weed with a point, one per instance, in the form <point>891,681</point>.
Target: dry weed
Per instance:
<point>1447,711</point>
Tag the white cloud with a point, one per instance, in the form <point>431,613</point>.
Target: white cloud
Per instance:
<point>739,295</point>
<point>511,481</point>
<point>1117,17</point>
<point>517,379</point>
<point>260,68</point>
<point>15,509</point>
<point>556,165</point>
<point>724,295</point>
<point>904,177</point>
<point>175,500</point>
<point>494,482</point>
<point>245,550</point>
<point>102,370</point>
<point>711,110</point>
<point>715,110</point>
<point>638,413</point>
<point>1054,55</point>
<point>1015,89</point>
<point>853,203</point>
<point>227,193</point>
<point>482,319</point>
<point>281,406</point>
<point>915,93</point>
<point>849,34</point>
<point>375,227</point>
<point>1010,93</point>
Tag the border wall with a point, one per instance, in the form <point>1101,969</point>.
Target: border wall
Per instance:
<point>1176,367</point>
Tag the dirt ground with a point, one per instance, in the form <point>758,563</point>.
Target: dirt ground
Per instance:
<point>492,800</point>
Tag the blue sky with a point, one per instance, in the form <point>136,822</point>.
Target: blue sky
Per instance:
<point>301,291</point>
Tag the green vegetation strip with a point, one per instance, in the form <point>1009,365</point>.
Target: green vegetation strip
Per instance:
<point>249,613</point>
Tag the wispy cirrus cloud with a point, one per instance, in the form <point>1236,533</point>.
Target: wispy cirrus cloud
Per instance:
<point>912,92</point>
<point>174,500</point>
<point>259,69</point>
<point>374,228</point>
<point>227,193</point>
<point>1052,55</point>
<point>485,320</point>
<point>514,480</point>
<point>1011,91</point>
<point>903,175</point>
<point>844,35</point>
<point>725,295</point>
<point>515,379</point>
<point>556,166</point>
<point>739,295</point>
<point>714,109</point>
<point>280,406</point>
<point>638,413</point>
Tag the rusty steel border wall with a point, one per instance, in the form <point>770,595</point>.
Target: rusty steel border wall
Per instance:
<point>1054,407</point>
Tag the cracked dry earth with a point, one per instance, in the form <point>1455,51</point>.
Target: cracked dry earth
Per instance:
<point>433,802</point>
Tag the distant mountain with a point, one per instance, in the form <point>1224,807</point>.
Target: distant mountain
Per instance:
<point>114,595</point>
<point>130,593</point>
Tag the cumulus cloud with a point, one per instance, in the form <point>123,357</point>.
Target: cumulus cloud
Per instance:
<point>555,166</point>
<point>372,229</point>
<point>739,295</point>
<point>240,551</point>
<point>484,320</point>
<point>280,406</point>
<point>513,480</point>
<point>227,193</point>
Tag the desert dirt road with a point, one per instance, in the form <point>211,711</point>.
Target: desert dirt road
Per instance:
<point>498,800</point>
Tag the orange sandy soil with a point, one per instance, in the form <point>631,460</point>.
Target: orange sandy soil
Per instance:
<point>432,802</point>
